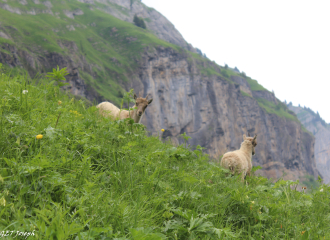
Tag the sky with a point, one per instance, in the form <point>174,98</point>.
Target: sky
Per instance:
<point>284,45</point>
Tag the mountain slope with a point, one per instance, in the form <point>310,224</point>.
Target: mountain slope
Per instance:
<point>67,173</point>
<point>106,56</point>
<point>321,130</point>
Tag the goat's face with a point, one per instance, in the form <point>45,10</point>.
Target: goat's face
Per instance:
<point>141,104</point>
<point>253,141</point>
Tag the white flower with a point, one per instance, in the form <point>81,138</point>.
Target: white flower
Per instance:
<point>25,91</point>
<point>321,190</point>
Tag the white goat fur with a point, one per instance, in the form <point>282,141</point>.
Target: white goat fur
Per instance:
<point>240,161</point>
<point>108,109</point>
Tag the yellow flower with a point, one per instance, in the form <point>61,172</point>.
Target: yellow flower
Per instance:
<point>39,136</point>
<point>252,202</point>
<point>302,233</point>
<point>163,130</point>
<point>59,102</point>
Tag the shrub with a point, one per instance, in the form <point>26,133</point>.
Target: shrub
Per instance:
<point>139,22</point>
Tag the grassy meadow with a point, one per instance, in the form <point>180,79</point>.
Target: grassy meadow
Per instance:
<point>67,173</point>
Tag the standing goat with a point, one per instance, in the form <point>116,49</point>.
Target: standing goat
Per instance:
<point>107,109</point>
<point>240,161</point>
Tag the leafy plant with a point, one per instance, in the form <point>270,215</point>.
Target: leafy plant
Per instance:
<point>58,76</point>
<point>139,22</point>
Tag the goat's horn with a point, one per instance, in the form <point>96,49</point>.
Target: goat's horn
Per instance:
<point>147,96</point>
<point>248,134</point>
<point>255,137</point>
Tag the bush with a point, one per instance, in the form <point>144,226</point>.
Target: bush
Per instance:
<point>139,22</point>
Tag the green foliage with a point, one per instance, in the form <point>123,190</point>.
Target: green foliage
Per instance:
<point>280,109</point>
<point>139,22</point>
<point>311,183</point>
<point>92,178</point>
<point>254,85</point>
<point>58,76</point>
<point>245,94</point>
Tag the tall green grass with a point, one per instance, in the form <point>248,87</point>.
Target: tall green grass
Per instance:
<point>92,178</point>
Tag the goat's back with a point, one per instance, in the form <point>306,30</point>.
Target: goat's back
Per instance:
<point>107,109</point>
<point>235,161</point>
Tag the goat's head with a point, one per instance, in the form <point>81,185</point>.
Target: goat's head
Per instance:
<point>141,104</point>
<point>253,141</point>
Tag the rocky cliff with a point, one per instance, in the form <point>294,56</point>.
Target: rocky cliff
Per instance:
<point>214,105</point>
<point>321,130</point>
<point>215,113</point>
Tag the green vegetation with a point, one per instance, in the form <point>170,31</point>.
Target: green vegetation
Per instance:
<point>310,182</point>
<point>280,109</point>
<point>254,85</point>
<point>67,173</point>
<point>208,68</point>
<point>245,94</point>
<point>139,22</point>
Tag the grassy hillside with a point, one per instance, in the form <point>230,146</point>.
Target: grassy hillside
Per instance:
<point>112,46</point>
<point>91,178</point>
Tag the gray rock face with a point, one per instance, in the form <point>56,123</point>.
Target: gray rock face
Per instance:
<point>265,95</point>
<point>321,131</point>
<point>4,35</point>
<point>39,63</point>
<point>215,115</point>
<point>244,86</point>
<point>9,8</point>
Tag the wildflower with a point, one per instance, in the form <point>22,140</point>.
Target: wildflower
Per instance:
<point>59,102</point>
<point>3,201</point>
<point>25,91</point>
<point>163,130</point>
<point>39,136</point>
<point>321,190</point>
<point>247,196</point>
<point>252,202</point>
<point>302,233</point>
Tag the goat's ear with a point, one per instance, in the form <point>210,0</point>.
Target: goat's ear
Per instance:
<point>244,137</point>
<point>150,101</point>
<point>135,97</point>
